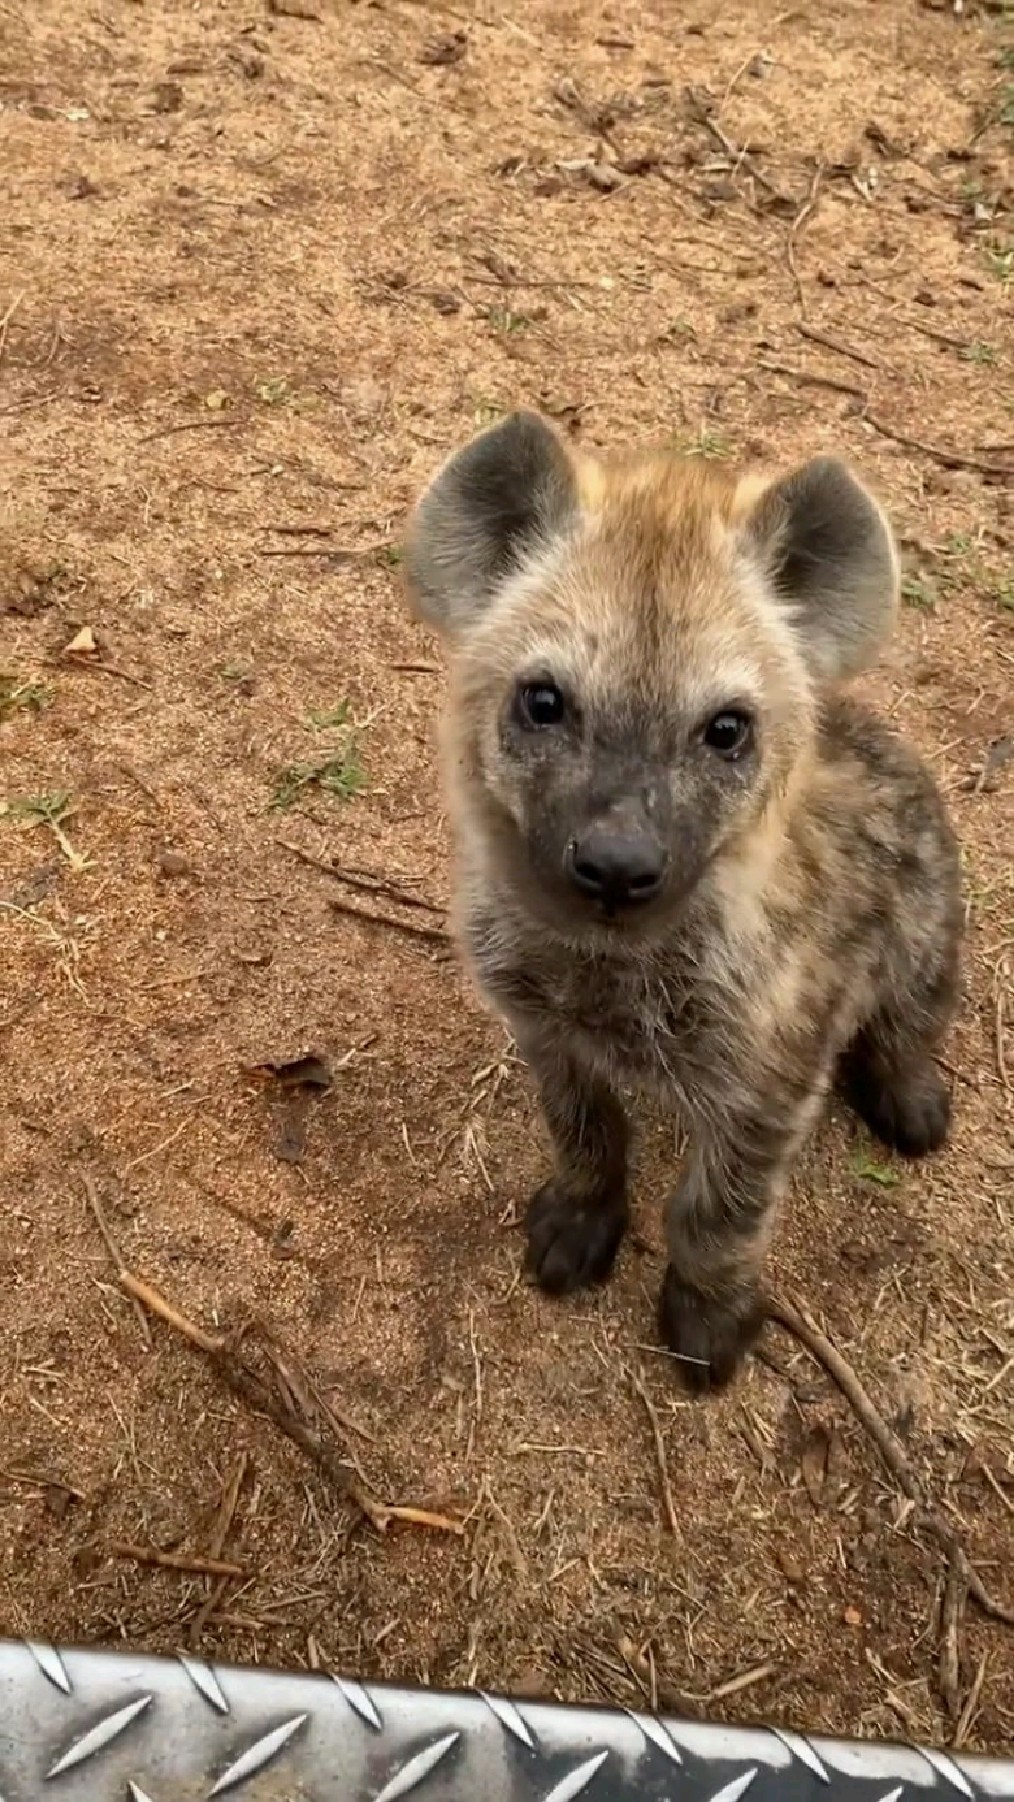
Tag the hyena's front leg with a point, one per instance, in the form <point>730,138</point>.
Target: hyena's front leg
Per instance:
<point>576,1220</point>
<point>718,1221</point>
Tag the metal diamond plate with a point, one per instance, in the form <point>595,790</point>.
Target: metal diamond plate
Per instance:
<point>111,1727</point>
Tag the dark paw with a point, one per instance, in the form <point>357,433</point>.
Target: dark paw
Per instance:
<point>571,1244</point>
<point>910,1111</point>
<point>708,1336</point>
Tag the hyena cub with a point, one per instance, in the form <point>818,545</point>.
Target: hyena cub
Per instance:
<point>686,862</point>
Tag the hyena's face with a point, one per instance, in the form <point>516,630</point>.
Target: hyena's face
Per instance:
<point>638,652</point>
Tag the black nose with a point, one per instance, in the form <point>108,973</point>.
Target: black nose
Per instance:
<point>620,869</point>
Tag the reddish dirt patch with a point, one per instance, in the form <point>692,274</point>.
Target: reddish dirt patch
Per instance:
<point>260,272</point>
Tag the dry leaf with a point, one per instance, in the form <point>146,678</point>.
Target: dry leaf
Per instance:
<point>814,1462</point>
<point>83,644</point>
<point>309,1072</point>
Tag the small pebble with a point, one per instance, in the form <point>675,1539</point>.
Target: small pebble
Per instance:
<point>173,863</point>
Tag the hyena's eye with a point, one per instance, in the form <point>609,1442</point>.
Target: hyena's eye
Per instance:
<point>729,733</point>
<point>540,704</point>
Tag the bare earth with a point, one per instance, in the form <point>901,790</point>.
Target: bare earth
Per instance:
<point>260,265</point>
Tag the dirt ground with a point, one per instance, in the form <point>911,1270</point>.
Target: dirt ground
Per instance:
<point>260,266</point>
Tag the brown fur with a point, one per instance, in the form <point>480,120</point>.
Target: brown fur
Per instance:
<point>806,928</point>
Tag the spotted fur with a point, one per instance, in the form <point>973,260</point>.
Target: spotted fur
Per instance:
<point>806,932</point>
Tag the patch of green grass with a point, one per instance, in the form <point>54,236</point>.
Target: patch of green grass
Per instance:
<point>36,810</point>
<point>392,554</point>
<point>920,591</point>
<point>274,391</point>
<point>1005,594</point>
<point>326,718</point>
<point>1000,258</point>
<point>979,353</point>
<point>341,776</point>
<point>872,1172</point>
<point>503,319</point>
<point>50,809</point>
<point>712,445</point>
<point>339,773</point>
<point>19,694</point>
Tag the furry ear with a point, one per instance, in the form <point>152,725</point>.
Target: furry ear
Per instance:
<point>827,548</point>
<point>490,506</point>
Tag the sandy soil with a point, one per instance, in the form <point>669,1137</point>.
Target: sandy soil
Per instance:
<point>260,266</point>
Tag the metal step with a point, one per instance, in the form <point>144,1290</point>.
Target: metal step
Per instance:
<point>113,1727</point>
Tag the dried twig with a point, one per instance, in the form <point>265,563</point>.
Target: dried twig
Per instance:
<point>949,459</point>
<point>91,1196</point>
<point>370,881</point>
<point>99,666</point>
<point>805,212</point>
<point>41,1479</point>
<point>952,1611</point>
<point>189,425</point>
<point>738,154</point>
<point>637,1378</point>
<point>811,378</point>
<point>5,320</point>
<point>971,1708</point>
<point>759,1673</point>
<point>226,1515</point>
<point>816,336</point>
<point>254,1392</point>
<point>1001,977</point>
<point>193,1565</point>
<point>806,1331</point>
<point>338,554</point>
<point>436,935</point>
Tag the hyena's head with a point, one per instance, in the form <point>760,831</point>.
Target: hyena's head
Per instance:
<point>637,655</point>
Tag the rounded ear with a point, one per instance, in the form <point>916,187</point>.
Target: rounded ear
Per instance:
<point>491,507</point>
<point>827,549</point>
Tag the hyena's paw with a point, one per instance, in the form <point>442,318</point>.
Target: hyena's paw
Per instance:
<point>571,1244</point>
<point>709,1336</point>
<point>908,1109</point>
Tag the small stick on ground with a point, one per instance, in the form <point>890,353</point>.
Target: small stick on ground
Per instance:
<point>254,1392</point>
<point>952,1609</point>
<point>331,553</point>
<point>814,379</point>
<point>640,1385</point>
<point>948,459</point>
<point>41,1479</point>
<point>193,1565</point>
<point>189,425</point>
<point>971,1708</point>
<point>805,212</point>
<point>806,1331</point>
<point>367,880</point>
<point>91,1196</point>
<point>5,320</point>
<point>1001,979</point>
<point>226,1515</point>
<point>816,336</point>
<point>435,935</point>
